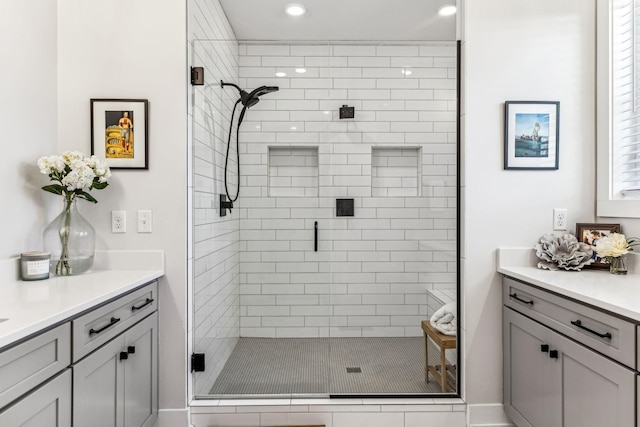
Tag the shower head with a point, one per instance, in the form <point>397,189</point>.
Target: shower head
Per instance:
<point>250,99</point>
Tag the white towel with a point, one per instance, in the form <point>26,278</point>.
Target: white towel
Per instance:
<point>445,320</point>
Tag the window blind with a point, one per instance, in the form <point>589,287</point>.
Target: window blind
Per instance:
<point>625,74</point>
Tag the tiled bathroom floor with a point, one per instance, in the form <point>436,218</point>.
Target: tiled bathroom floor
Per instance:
<point>268,366</point>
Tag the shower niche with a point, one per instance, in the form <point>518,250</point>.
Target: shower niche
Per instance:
<point>395,171</point>
<point>293,171</point>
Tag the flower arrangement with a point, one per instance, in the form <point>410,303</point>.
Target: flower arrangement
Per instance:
<point>612,248</point>
<point>74,175</point>
<point>562,252</point>
<point>615,245</point>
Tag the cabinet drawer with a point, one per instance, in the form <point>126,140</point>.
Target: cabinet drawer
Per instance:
<point>95,328</point>
<point>49,405</point>
<point>26,365</point>
<point>607,334</point>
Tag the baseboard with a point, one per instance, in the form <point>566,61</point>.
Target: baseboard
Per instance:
<point>487,415</point>
<point>173,418</point>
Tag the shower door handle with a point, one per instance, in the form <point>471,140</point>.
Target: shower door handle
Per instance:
<point>315,236</point>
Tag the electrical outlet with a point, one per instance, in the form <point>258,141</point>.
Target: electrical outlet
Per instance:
<point>144,222</point>
<point>559,219</point>
<point>118,221</point>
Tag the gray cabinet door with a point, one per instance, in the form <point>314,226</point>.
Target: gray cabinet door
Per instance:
<point>596,391</point>
<point>47,406</point>
<point>531,394</point>
<point>141,374</point>
<point>98,387</point>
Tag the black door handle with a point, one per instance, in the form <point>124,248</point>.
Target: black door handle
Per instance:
<point>544,348</point>
<point>113,321</point>
<point>516,297</point>
<point>131,349</point>
<point>315,236</point>
<point>553,354</point>
<point>578,323</point>
<point>124,355</point>
<point>144,304</point>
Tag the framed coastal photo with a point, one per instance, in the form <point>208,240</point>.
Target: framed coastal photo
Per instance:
<point>590,234</point>
<point>531,135</point>
<point>119,132</point>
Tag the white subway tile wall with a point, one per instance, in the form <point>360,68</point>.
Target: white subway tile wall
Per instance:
<point>215,240</point>
<point>396,159</point>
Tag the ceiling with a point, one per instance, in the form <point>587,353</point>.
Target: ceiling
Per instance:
<point>341,20</point>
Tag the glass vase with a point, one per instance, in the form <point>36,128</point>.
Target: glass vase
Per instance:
<point>618,265</point>
<point>71,240</point>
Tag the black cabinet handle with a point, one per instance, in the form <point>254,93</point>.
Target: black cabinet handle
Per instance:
<point>113,321</point>
<point>578,323</point>
<point>315,236</point>
<point>544,348</point>
<point>144,304</point>
<point>124,355</point>
<point>131,349</point>
<point>516,297</point>
<point>553,354</point>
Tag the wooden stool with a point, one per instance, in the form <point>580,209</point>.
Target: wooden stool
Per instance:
<point>444,342</point>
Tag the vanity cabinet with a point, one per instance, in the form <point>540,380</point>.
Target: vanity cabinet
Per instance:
<point>115,374</point>
<point>97,368</point>
<point>558,364</point>
<point>117,384</point>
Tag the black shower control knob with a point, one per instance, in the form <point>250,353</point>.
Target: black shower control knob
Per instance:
<point>553,354</point>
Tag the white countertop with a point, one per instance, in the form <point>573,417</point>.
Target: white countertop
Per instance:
<point>31,306</point>
<point>617,294</point>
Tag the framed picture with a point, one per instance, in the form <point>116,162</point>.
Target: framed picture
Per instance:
<point>590,233</point>
<point>531,134</point>
<point>119,132</point>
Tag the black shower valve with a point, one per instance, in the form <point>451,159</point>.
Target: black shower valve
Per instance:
<point>225,204</point>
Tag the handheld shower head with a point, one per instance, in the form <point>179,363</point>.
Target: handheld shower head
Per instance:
<point>250,99</point>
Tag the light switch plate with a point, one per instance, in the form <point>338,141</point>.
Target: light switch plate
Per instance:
<point>145,221</point>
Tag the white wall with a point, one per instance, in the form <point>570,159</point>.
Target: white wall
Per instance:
<point>519,50</point>
<point>123,49</point>
<point>29,120</point>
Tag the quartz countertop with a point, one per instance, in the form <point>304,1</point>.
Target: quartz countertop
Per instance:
<point>31,306</point>
<point>617,294</point>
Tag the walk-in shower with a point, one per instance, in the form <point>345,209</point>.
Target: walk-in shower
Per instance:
<point>280,307</point>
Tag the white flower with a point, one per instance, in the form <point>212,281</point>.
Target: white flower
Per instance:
<point>75,174</point>
<point>613,245</point>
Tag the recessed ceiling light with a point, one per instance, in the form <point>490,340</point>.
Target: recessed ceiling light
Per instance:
<point>301,70</point>
<point>280,74</point>
<point>295,9</point>
<point>447,10</point>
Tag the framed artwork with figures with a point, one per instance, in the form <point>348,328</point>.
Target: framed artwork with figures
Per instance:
<point>119,132</point>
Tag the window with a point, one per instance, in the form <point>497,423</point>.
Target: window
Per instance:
<point>618,108</point>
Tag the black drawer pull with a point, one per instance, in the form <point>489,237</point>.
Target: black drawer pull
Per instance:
<point>578,323</point>
<point>113,321</point>
<point>144,304</point>
<point>516,297</point>
<point>131,349</point>
<point>544,348</point>
<point>553,354</point>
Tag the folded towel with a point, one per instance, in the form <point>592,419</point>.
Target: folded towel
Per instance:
<point>444,319</point>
